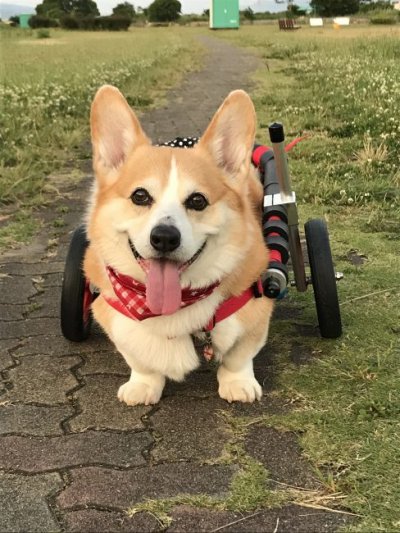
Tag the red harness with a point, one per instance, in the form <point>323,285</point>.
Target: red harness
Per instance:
<point>130,298</point>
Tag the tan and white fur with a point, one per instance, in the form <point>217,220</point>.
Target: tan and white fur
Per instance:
<point>219,167</point>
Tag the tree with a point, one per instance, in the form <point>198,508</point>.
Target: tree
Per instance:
<point>85,8</point>
<point>248,14</point>
<point>333,8</point>
<point>125,10</point>
<point>372,5</point>
<point>164,10</point>
<point>56,9</point>
<point>297,11</point>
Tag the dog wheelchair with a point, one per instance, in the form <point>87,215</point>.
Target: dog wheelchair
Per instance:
<point>280,226</point>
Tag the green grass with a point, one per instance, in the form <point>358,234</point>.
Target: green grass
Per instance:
<point>18,228</point>
<point>47,87</point>
<point>341,88</point>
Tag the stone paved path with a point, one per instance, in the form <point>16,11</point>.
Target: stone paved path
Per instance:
<point>72,458</point>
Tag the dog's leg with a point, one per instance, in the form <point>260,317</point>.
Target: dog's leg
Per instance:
<point>235,374</point>
<point>142,388</point>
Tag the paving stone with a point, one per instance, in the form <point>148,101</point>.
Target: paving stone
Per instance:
<point>280,453</point>
<point>16,290</point>
<point>23,503</point>
<point>43,379</point>
<point>265,366</point>
<point>32,269</point>
<point>33,419</point>
<point>29,253</point>
<point>201,384</point>
<point>268,404</point>
<point>23,328</point>
<point>5,357</point>
<point>121,489</point>
<point>47,304</point>
<point>187,518</point>
<point>289,519</point>
<point>41,454</point>
<point>5,360</point>
<point>12,312</point>
<point>57,345</point>
<point>188,428</point>
<point>109,362</point>
<point>100,407</point>
<point>53,279</point>
<point>92,520</point>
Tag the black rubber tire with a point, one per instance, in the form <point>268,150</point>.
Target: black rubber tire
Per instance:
<point>73,325</point>
<point>323,278</point>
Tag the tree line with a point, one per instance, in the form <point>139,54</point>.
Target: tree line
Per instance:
<point>85,15</point>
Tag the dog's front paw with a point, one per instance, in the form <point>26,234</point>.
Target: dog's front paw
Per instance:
<point>136,393</point>
<point>241,390</point>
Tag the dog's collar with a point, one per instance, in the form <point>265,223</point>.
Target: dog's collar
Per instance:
<point>130,298</point>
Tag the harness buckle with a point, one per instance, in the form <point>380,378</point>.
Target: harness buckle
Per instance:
<point>211,325</point>
<point>258,289</point>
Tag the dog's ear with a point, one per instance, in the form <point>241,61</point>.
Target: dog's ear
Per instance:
<point>116,132</point>
<point>229,137</point>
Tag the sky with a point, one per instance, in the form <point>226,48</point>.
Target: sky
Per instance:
<point>188,6</point>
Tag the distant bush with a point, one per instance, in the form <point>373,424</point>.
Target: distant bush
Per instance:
<point>90,23</point>
<point>113,23</point>
<point>40,21</point>
<point>383,17</point>
<point>43,34</point>
<point>14,21</point>
<point>69,23</point>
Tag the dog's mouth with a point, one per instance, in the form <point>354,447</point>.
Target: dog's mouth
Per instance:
<point>163,288</point>
<point>144,263</point>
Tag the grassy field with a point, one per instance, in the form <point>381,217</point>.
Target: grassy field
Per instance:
<point>46,89</point>
<point>341,89</point>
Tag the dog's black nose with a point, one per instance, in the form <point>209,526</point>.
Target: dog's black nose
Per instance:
<point>165,238</point>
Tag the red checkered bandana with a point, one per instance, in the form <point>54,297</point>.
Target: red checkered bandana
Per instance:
<point>131,296</point>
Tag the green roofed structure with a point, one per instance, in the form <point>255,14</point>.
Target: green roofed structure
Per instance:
<point>24,20</point>
<point>224,14</point>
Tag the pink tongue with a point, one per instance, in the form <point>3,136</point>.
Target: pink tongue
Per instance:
<point>163,290</point>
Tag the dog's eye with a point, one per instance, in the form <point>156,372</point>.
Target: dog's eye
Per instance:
<point>196,201</point>
<point>141,197</point>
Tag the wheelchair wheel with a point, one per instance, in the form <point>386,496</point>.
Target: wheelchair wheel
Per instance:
<point>323,278</point>
<point>76,297</point>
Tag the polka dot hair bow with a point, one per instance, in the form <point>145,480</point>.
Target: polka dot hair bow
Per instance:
<point>182,142</point>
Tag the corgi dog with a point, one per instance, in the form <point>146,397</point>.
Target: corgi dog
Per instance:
<point>175,234</point>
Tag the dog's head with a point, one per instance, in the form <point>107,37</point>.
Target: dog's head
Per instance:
<point>171,217</point>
